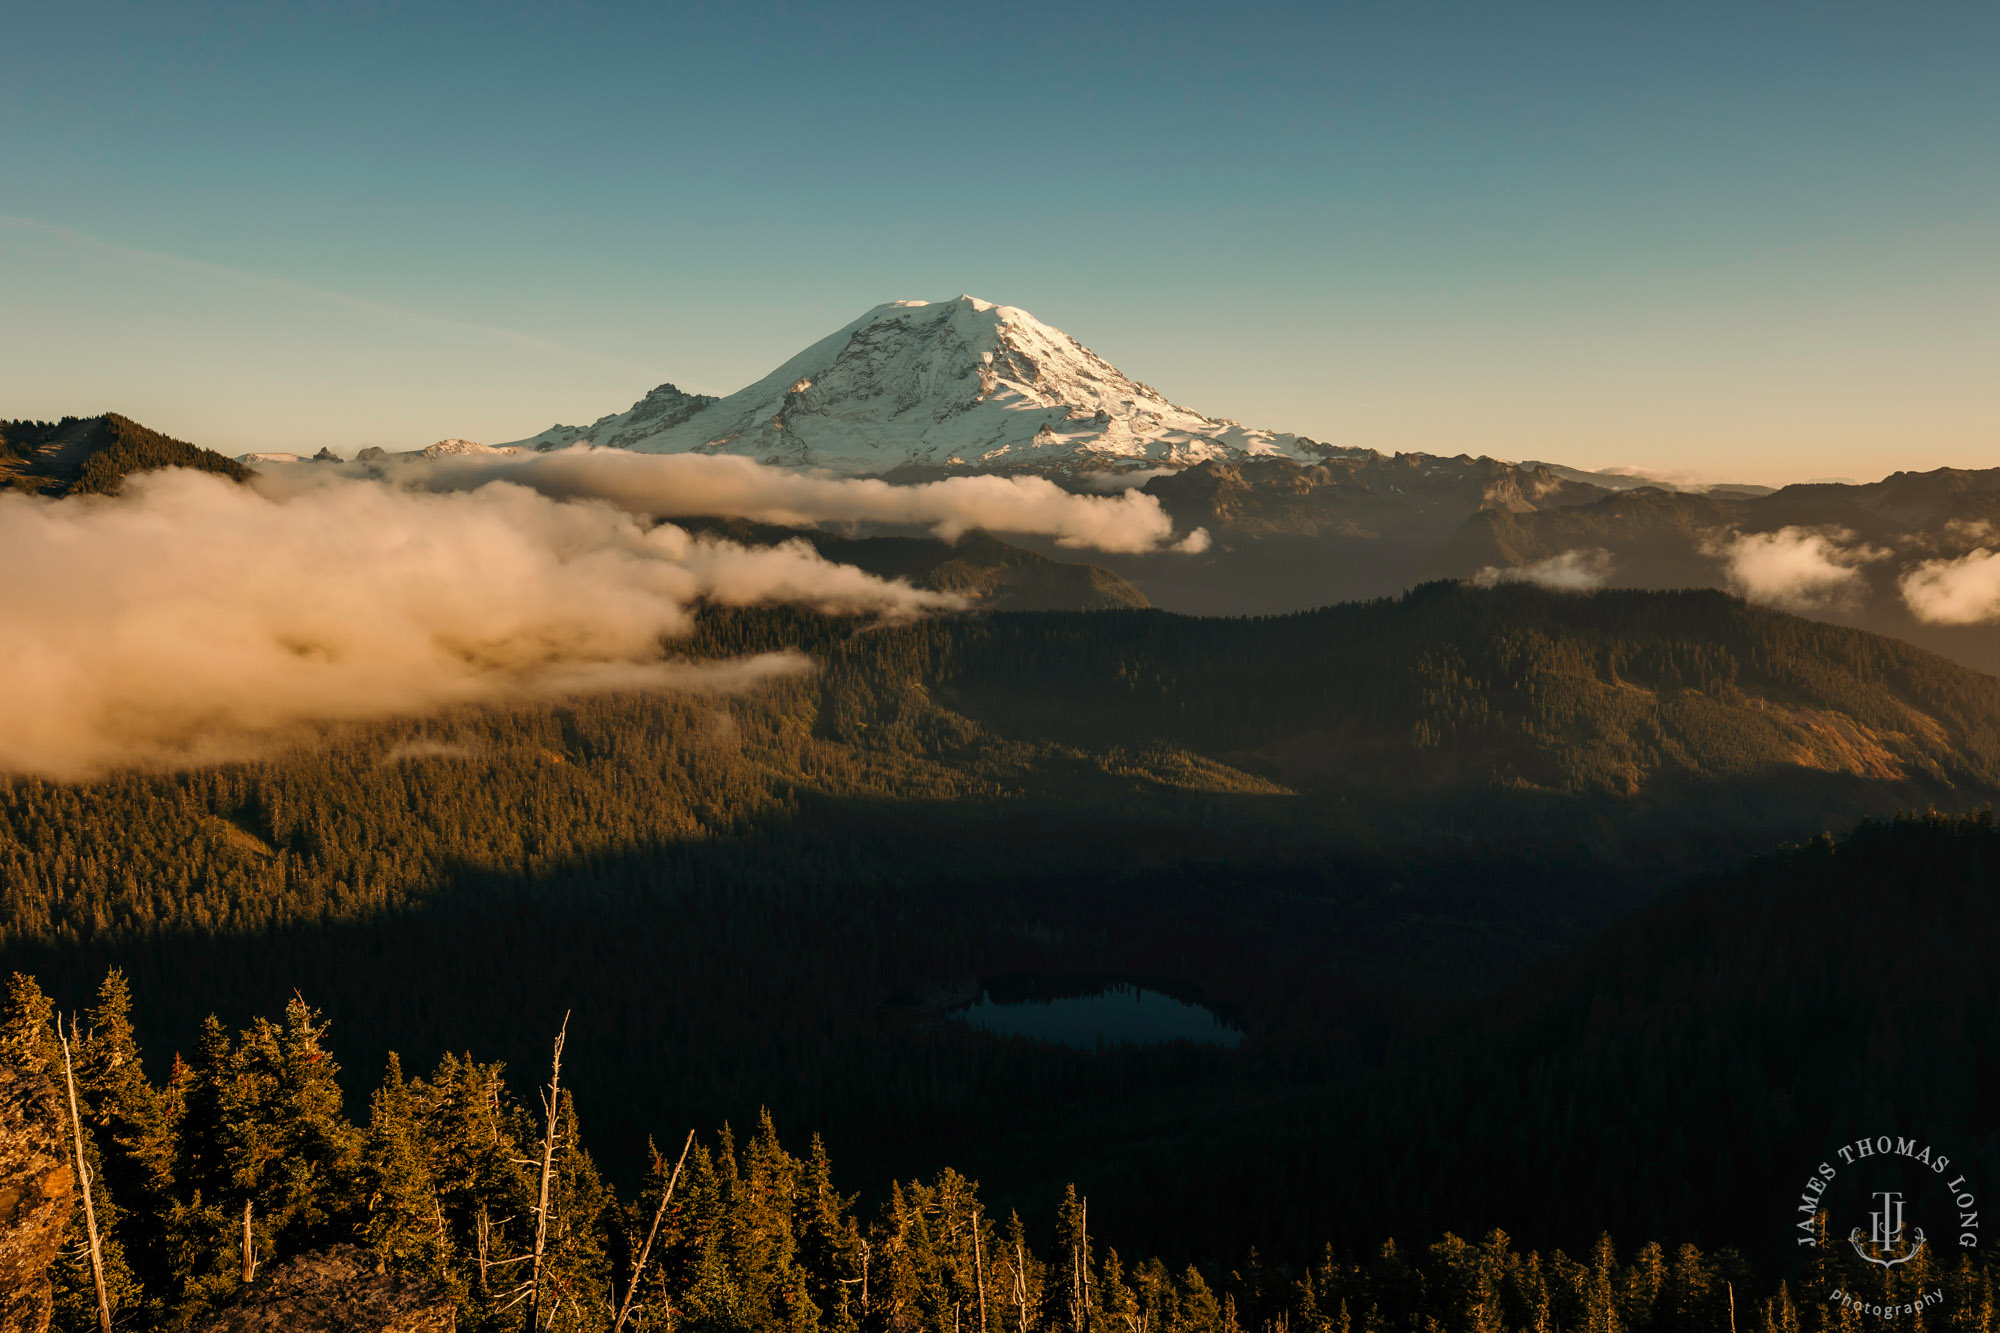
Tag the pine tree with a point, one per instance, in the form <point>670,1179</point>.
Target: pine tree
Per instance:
<point>1024,1277</point>
<point>1640,1286</point>
<point>1066,1296</point>
<point>27,1032</point>
<point>290,1154</point>
<point>403,1212</point>
<point>201,1250</point>
<point>1600,1311</point>
<point>829,1242</point>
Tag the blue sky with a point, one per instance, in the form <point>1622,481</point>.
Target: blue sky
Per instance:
<point>1738,240</point>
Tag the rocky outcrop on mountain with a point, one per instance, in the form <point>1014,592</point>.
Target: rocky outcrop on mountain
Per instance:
<point>962,385</point>
<point>660,410</point>
<point>37,1195</point>
<point>459,448</point>
<point>343,1289</point>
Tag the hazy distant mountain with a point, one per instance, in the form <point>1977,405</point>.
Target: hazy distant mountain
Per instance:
<point>91,455</point>
<point>1628,479</point>
<point>1290,536</point>
<point>1910,555</point>
<point>960,384</point>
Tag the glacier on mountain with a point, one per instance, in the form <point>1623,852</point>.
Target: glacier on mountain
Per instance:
<point>962,385</point>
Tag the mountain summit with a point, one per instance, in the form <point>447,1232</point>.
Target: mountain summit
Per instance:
<point>959,385</point>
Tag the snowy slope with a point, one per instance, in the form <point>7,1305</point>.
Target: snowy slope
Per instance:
<point>963,384</point>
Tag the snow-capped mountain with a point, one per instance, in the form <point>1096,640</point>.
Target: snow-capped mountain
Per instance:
<point>963,385</point>
<point>456,448</point>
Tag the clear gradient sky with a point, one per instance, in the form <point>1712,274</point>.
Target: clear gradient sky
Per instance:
<point>1740,240</point>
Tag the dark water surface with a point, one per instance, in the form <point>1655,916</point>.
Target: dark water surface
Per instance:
<point>1092,1014</point>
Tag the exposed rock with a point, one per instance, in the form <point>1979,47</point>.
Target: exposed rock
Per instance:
<point>372,454</point>
<point>37,1194</point>
<point>342,1289</point>
<point>326,455</point>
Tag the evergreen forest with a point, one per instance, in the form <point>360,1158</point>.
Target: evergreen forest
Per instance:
<point>1541,917</point>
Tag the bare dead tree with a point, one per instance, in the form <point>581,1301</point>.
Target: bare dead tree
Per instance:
<point>249,1246</point>
<point>1083,1264</point>
<point>83,1183</point>
<point>551,1101</point>
<point>482,1234</point>
<point>639,1265</point>
<point>978,1270</point>
<point>1021,1283</point>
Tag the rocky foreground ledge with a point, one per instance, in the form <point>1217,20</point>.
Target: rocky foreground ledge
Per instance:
<point>342,1289</point>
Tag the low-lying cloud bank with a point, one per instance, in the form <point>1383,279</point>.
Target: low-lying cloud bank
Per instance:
<point>700,485</point>
<point>184,618</point>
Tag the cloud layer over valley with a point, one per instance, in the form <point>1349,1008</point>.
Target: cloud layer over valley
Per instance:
<point>690,485</point>
<point>188,616</point>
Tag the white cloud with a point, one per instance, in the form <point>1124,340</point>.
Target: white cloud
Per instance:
<point>1965,591</point>
<point>720,486</point>
<point>184,618</point>
<point>1795,568</point>
<point>1575,571</point>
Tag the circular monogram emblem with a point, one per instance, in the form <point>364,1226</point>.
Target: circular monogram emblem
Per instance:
<point>1886,1218</point>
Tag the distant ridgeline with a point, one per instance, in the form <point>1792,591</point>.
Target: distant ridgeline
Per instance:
<point>246,1155</point>
<point>92,455</point>
<point>1352,827</point>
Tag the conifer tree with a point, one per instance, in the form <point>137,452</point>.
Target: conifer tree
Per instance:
<point>1066,1296</point>
<point>1600,1310</point>
<point>1640,1286</point>
<point>829,1242</point>
<point>289,1152</point>
<point>27,1032</point>
<point>200,1250</point>
<point>1024,1277</point>
<point>403,1212</point>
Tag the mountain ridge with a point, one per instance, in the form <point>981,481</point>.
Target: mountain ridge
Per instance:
<point>960,384</point>
<point>93,455</point>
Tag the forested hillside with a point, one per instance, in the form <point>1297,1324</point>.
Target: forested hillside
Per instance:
<point>1341,826</point>
<point>1684,1072</point>
<point>92,455</point>
<point>1878,535</point>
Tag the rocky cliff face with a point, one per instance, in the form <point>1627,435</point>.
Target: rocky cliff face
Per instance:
<point>37,1195</point>
<point>338,1290</point>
